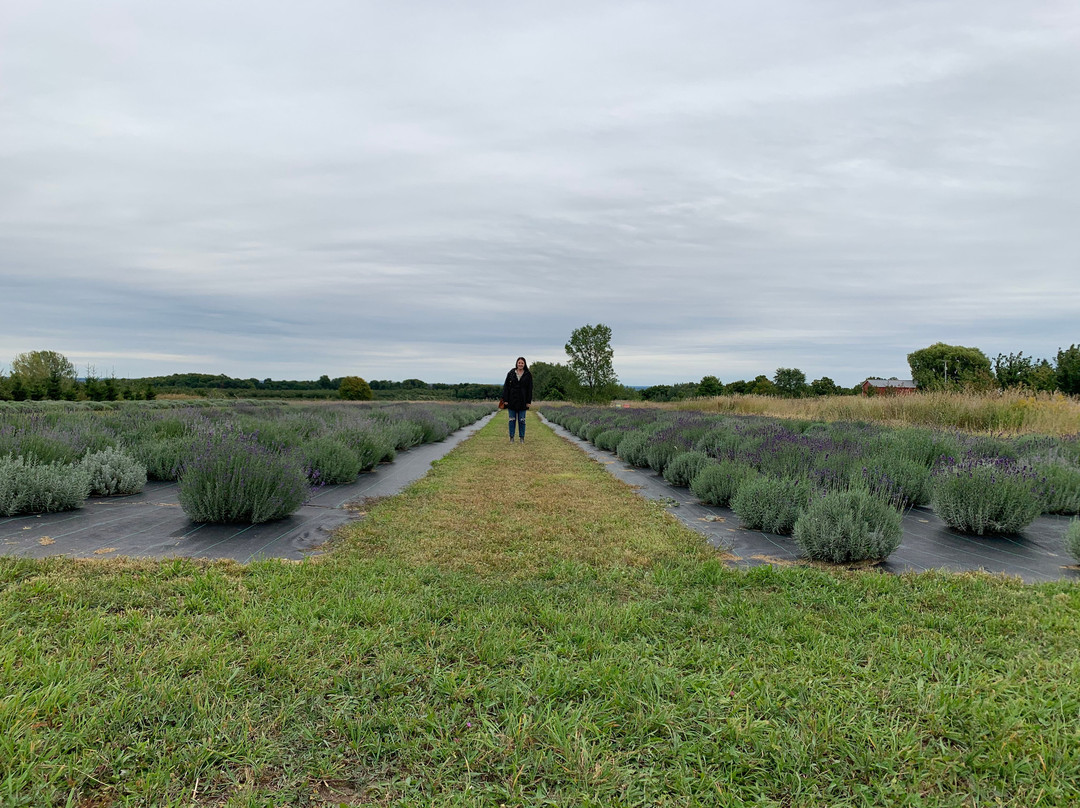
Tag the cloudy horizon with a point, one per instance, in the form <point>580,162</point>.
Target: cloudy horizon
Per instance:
<point>427,190</point>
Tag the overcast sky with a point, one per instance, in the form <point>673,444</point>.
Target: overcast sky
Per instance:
<point>429,189</point>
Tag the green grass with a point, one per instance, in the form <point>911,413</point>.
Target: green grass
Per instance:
<point>519,628</point>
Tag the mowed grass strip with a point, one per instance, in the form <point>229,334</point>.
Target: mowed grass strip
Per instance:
<point>641,673</point>
<point>493,507</point>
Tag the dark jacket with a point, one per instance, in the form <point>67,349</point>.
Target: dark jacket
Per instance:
<point>517,393</point>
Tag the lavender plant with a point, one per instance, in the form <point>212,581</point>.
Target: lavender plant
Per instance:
<point>330,462</point>
<point>231,477</point>
<point>163,458</point>
<point>1072,538</point>
<point>113,473</point>
<point>847,526</point>
<point>632,449</point>
<point>771,504</point>
<point>980,496</point>
<point>718,481</point>
<point>30,487</point>
<point>896,480</point>
<point>1061,494</point>
<point>609,439</point>
<point>684,467</point>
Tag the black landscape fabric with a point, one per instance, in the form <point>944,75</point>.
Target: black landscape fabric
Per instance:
<point>151,524</point>
<point>1037,554</point>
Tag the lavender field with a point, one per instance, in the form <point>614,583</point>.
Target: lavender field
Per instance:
<point>839,488</point>
<point>239,462</point>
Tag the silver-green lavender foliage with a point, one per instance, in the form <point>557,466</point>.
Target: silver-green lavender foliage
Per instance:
<point>330,462</point>
<point>632,449</point>
<point>772,504</point>
<point>1072,538</point>
<point>718,482</point>
<point>113,473</point>
<point>684,467</point>
<point>231,477</point>
<point>28,487</point>
<point>846,526</point>
<point>1061,493</point>
<point>983,496</point>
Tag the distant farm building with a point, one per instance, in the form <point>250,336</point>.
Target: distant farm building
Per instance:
<point>888,387</point>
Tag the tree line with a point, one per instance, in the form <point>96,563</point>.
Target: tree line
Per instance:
<point>587,377</point>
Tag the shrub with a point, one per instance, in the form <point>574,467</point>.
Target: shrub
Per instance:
<point>896,480</point>
<point>353,388</point>
<point>771,504</point>
<point>1062,491</point>
<point>39,449</point>
<point>984,496</point>
<point>717,483</point>
<point>232,478</point>
<point>659,453</point>
<point>684,467</point>
<point>609,439</point>
<point>330,461</point>
<point>1072,538</point>
<point>163,457</point>
<point>925,446</point>
<point>719,440</point>
<point>632,449</point>
<point>845,526</point>
<point>371,445</point>
<point>113,472</point>
<point>28,487</point>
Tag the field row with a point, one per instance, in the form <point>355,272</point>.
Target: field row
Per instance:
<point>240,463</point>
<point>840,488</point>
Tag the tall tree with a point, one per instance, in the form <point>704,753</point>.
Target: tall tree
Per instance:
<point>591,356</point>
<point>710,386</point>
<point>791,382</point>
<point>353,388</point>
<point>1013,370</point>
<point>553,382</point>
<point>762,386</point>
<point>941,365</point>
<point>1068,370</point>
<point>48,373</point>
<point>825,387</point>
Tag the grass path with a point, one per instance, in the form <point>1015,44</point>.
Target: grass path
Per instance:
<point>519,628</point>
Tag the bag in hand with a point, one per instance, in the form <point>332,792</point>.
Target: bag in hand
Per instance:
<point>502,403</point>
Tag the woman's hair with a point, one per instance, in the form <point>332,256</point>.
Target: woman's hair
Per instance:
<point>522,358</point>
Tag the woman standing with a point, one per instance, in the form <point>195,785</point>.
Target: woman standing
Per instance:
<point>517,393</point>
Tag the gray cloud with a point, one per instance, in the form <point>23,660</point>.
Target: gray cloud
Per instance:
<point>428,190</point>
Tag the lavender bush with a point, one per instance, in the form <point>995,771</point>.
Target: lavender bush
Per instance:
<point>982,496</point>
<point>1072,538</point>
<point>846,526</point>
<point>330,461</point>
<point>718,481</point>
<point>772,504</point>
<point>1061,493</point>
<point>29,487</point>
<point>609,439</point>
<point>632,449</point>
<point>684,467</point>
<point>113,473</point>
<point>896,480</point>
<point>163,457</point>
<point>231,477</point>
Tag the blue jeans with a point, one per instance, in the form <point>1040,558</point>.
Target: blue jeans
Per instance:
<point>517,417</point>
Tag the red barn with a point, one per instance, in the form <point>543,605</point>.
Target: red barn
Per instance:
<point>888,387</point>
